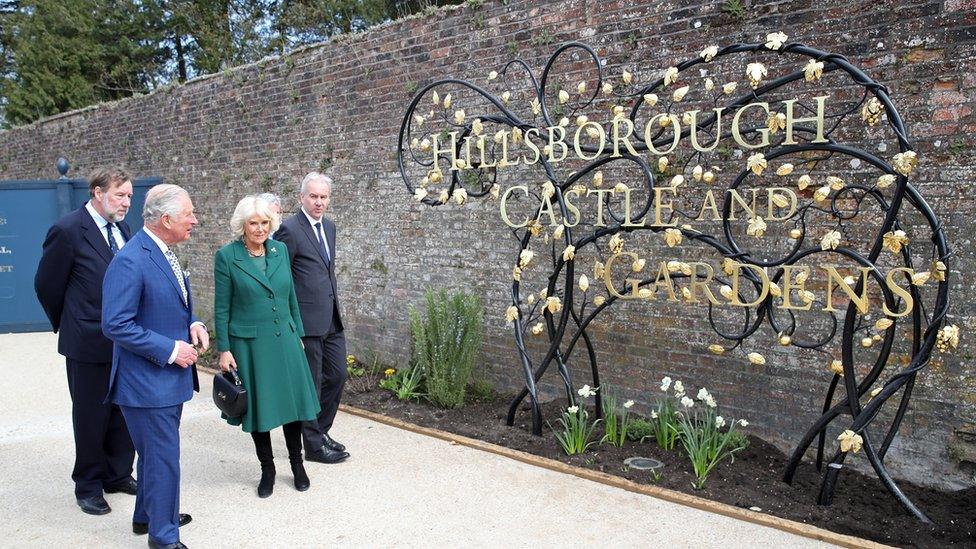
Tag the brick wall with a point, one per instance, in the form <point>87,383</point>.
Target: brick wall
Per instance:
<point>337,107</point>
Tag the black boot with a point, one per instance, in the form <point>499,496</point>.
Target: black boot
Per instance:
<point>262,446</point>
<point>266,486</point>
<point>293,440</point>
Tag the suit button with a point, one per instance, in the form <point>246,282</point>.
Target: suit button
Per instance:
<point>276,321</point>
<point>278,334</point>
<point>270,296</point>
<point>274,308</point>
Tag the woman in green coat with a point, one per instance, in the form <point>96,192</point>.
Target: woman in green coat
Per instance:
<point>259,332</point>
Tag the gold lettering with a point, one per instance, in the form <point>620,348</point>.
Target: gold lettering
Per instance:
<point>819,119</point>
<point>736,273</point>
<point>675,126</point>
<point>899,291</point>
<point>504,205</point>
<point>599,204</point>
<point>763,131</point>
<point>617,138</point>
<point>532,146</point>
<point>860,300</point>
<point>694,129</point>
<point>659,206</point>
<point>697,284</point>
<point>608,271</point>
<point>602,141</point>
<point>553,130</point>
<point>789,285</point>
<point>709,204</point>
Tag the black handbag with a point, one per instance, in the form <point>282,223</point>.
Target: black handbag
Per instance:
<point>229,394</point>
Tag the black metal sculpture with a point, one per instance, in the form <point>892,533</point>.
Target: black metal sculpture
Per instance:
<point>841,206</point>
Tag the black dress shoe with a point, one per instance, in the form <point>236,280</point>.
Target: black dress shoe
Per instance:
<point>95,505</point>
<point>326,455</point>
<point>331,444</point>
<point>301,477</point>
<point>127,486</point>
<point>142,528</point>
<point>177,545</point>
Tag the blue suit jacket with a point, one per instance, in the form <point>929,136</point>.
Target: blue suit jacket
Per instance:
<point>143,314</point>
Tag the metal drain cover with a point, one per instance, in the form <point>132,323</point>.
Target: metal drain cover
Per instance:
<point>643,463</point>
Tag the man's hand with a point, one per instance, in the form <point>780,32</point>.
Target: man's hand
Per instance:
<point>227,361</point>
<point>200,337</point>
<point>186,355</point>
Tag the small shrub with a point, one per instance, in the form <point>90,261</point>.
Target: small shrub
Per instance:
<point>445,344</point>
<point>481,390</point>
<point>405,383</point>
<point>640,428</point>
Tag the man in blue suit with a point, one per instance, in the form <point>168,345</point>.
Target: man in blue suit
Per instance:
<point>148,313</point>
<point>68,282</point>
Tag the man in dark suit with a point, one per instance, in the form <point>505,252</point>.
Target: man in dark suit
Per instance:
<point>148,314</point>
<point>68,282</point>
<point>310,238</point>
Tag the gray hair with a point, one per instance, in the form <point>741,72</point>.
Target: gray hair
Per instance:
<point>271,198</point>
<point>313,176</point>
<point>248,207</point>
<point>163,200</point>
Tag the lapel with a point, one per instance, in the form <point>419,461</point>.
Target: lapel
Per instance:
<point>157,257</point>
<point>243,261</point>
<point>313,239</point>
<point>94,236</point>
<point>275,258</point>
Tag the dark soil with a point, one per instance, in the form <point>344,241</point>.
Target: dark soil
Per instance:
<point>862,507</point>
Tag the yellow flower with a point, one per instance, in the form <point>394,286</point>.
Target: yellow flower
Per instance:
<point>867,342</point>
<point>548,189</point>
<point>785,340</point>
<point>618,111</point>
<point>813,70</point>
<point>757,358</point>
<point>776,122</point>
<point>584,283</point>
<point>535,228</point>
<point>447,101</point>
<point>592,132</point>
<point>939,271</point>
<point>895,240</point>
<point>525,257</point>
<point>697,172</point>
<point>728,266</point>
<point>443,197</point>
<point>948,337</point>
<point>506,96</point>
<point>582,119</point>
<point>554,304</point>
<point>905,162</point>
<point>638,265</point>
<point>708,176</point>
<point>822,193</point>
<point>516,135</point>
<point>563,96</point>
<point>598,179</point>
<point>837,367</point>
<point>672,237</point>
<point>650,99</point>
<point>835,182</point>
<point>756,72</point>
<point>620,188</point>
<point>459,116</point>
<point>350,359</point>
<point>780,201</point>
<point>537,329</point>
<point>807,296</point>
<point>616,243</point>
<point>728,88</point>
<point>494,191</point>
<point>871,111</point>
<point>460,195</point>
<point>536,106</point>
<point>726,291</point>
<point>796,233</point>
<point>921,278</point>
<point>425,144</point>
<point>775,290</point>
<point>569,253</point>
<point>511,313</point>
<point>627,77</point>
<point>477,127</point>
<point>670,76</point>
<point>680,93</point>
<point>436,99</point>
<point>716,349</point>
<point>784,170</point>
<point>389,372</point>
<point>581,87</point>
<point>803,182</point>
<point>709,84</point>
<point>709,53</point>
<point>883,324</point>
<point>531,299</point>
<point>557,233</point>
<point>662,163</point>
<point>543,294</point>
<point>607,88</point>
<point>644,293</point>
<point>886,180</point>
<point>850,441</point>
<point>756,163</point>
<point>599,300</point>
<point>830,241</point>
<point>774,40</point>
<point>757,227</point>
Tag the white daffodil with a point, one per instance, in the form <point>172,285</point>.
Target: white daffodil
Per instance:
<point>665,383</point>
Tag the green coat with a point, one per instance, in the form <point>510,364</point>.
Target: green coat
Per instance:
<point>257,319</point>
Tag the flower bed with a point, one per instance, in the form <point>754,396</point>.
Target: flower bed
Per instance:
<point>750,479</point>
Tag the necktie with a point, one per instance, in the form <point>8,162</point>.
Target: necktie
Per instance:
<point>177,270</point>
<point>323,242</point>
<point>112,244</point>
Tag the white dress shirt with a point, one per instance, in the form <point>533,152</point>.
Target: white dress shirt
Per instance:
<point>313,221</point>
<point>102,223</point>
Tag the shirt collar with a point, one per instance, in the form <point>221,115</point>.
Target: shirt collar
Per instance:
<point>162,245</point>
<point>99,220</point>
<point>311,220</point>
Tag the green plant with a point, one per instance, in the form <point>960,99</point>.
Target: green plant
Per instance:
<point>616,421</point>
<point>735,9</point>
<point>665,421</point>
<point>576,435</point>
<point>957,147</point>
<point>481,390</point>
<point>445,344</point>
<point>701,431</point>
<point>405,383</point>
<point>512,48</point>
<point>640,428</point>
<point>362,377</point>
<point>656,476</point>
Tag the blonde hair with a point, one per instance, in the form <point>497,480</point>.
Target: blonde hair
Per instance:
<point>248,207</point>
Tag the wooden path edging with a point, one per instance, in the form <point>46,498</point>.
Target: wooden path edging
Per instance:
<point>688,500</point>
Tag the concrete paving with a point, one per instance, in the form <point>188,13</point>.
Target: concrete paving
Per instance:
<point>399,489</point>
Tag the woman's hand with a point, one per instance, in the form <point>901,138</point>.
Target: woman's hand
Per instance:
<point>227,361</point>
